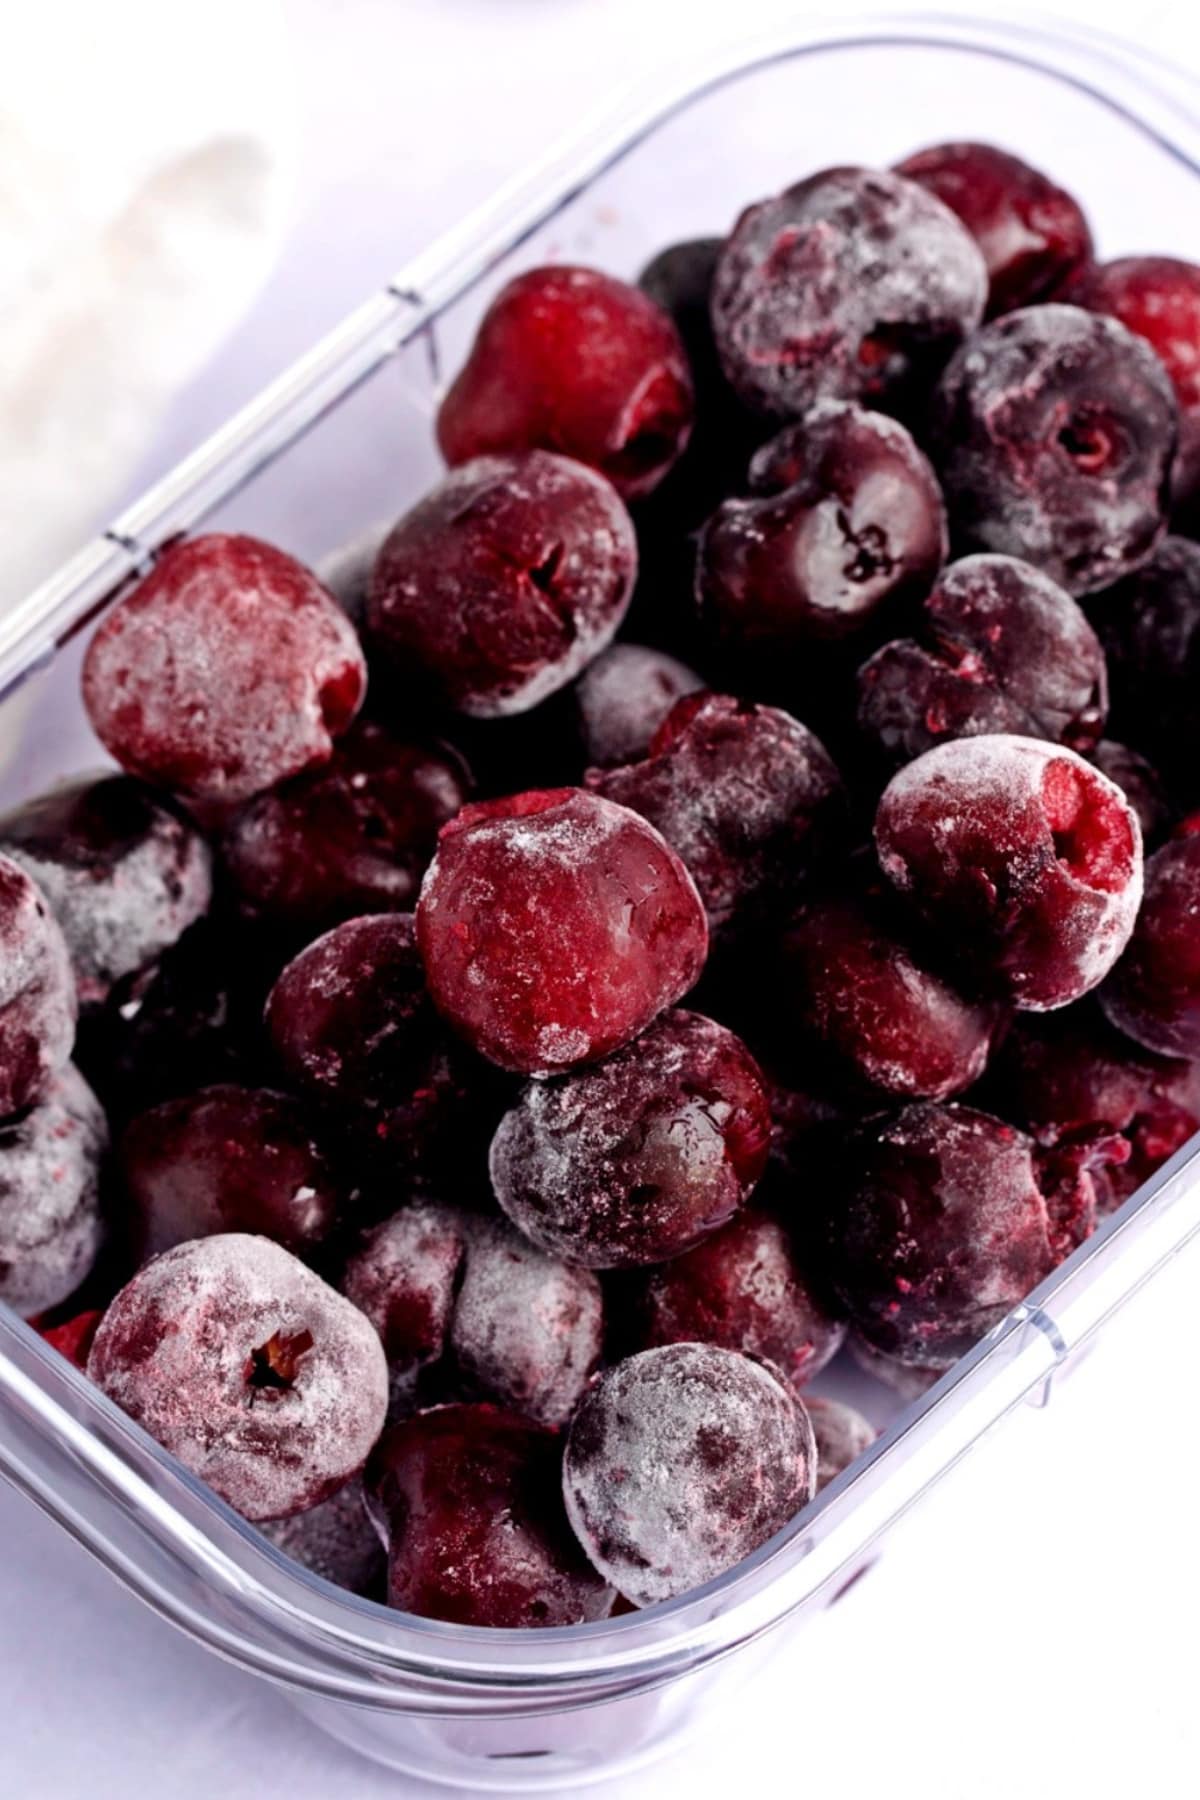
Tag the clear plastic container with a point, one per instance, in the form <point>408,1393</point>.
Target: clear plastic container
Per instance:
<point>344,439</point>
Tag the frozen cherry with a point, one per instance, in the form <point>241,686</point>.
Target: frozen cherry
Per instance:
<point>909,1381</point>
<point>747,796</point>
<point>1031,232</point>
<point>186,1021</point>
<point>641,1157</point>
<point>1149,625</point>
<point>1072,1079</point>
<point>50,1222</point>
<point>226,670</point>
<point>1023,856</point>
<point>527,1327</point>
<point>506,1321</point>
<point>73,1338</point>
<point>1000,648</point>
<point>469,1501</point>
<point>1140,783</point>
<point>623,698</point>
<point>346,572</point>
<point>841,1433</point>
<point>260,1378</point>
<point>848,517</point>
<point>861,991</point>
<point>123,873</point>
<point>1157,298</point>
<point>404,1276</point>
<point>744,1288</point>
<point>37,993</point>
<point>807,1109</point>
<point>336,1540</point>
<point>679,280</point>
<point>354,1029</point>
<point>226,1159</point>
<point>680,1462</point>
<point>853,285</point>
<point>504,582</point>
<point>938,1225</point>
<point>554,926</point>
<point>571,360</point>
<point>1054,431</point>
<point>1153,994</point>
<point>353,838</point>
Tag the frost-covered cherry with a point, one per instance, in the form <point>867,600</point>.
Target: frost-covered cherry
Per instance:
<point>346,572</point>
<point>468,1499</point>
<point>554,926</point>
<point>570,359</point>
<point>37,992</point>
<point>852,285</point>
<point>875,1011</point>
<point>845,517</point>
<point>226,670</point>
<point>841,1432</point>
<point>50,1221</point>
<point>1149,625</point>
<point>502,584</point>
<point>637,1159</point>
<point>1023,857</point>
<point>998,647</point>
<point>403,1275</point>
<point>681,1461</point>
<point>745,1288</point>
<point>938,1221</point>
<point>505,1320</point>
<point>355,837</point>
<point>260,1378</point>
<point>125,875</point>
<point>1153,994</point>
<point>355,1031</point>
<point>909,1381</point>
<point>527,1327</point>
<point>623,698</point>
<point>226,1159</point>
<point>336,1540</point>
<point>1032,233</point>
<point>1157,298</point>
<point>679,279</point>
<point>746,795</point>
<point>1054,431</point>
<point>1071,1079</point>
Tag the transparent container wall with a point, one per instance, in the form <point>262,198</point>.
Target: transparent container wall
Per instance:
<point>366,453</point>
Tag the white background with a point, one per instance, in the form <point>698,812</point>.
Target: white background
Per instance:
<point>1034,1626</point>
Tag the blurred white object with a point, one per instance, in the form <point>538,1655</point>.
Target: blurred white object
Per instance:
<point>142,155</point>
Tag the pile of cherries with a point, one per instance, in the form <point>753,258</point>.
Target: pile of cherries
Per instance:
<point>723,931</point>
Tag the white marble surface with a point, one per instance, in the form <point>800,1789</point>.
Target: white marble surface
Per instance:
<point>1031,1627</point>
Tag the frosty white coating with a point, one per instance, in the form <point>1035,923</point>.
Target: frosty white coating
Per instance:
<point>623,698</point>
<point>118,912</point>
<point>975,812</point>
<point>50,1223</point>
<point>187,1348</point>
<point>679,1462</point>
<point>521,1326</point>
<point>841,1435</point>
